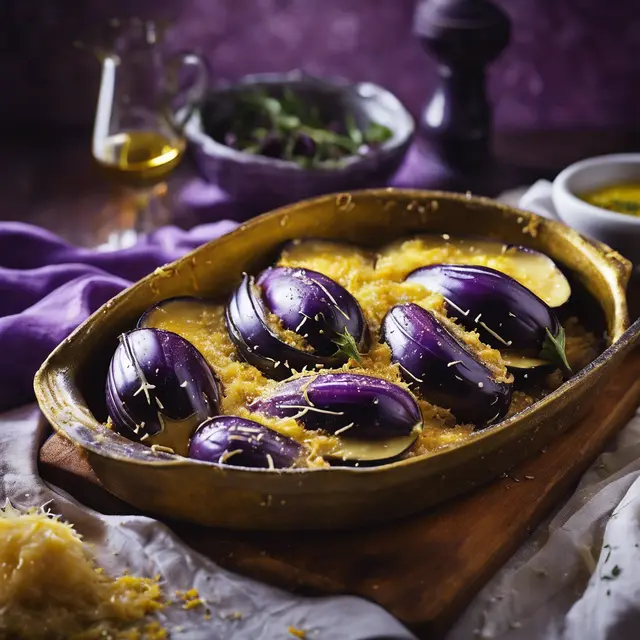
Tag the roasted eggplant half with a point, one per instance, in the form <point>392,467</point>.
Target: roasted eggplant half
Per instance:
<point>434,363</point>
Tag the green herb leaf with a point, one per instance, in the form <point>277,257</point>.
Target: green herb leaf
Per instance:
<point>289,122</point>
<point>615,572</point>
<point>354,132</point>
<point>290,102</point>
<point>315,120</point>
<point>326,137</point>
<point>286,116</point>
<point>347,346</point>
<point>288,148</point>
<point>260,133</point>
<point>553,350</point>
<point>378,133</point>
<point>251,148</point>
<point>625,206</point>
<point>272,106</point>
<point>303,161</point>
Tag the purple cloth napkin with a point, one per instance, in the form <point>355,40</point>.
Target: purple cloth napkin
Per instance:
<point>48,287</point>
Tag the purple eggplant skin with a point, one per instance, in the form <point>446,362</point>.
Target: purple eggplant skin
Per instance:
<point>156,377</point>
<point>240,442</point>
<point>272,146</point>
<point>433,362</point>
<point>304,146</point>
<point>259,344</point>
<point>351,405</point>
<point>505,313</point>
<point>314,306</point>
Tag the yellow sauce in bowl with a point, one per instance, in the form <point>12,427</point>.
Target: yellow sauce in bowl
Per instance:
<point>621,198</point>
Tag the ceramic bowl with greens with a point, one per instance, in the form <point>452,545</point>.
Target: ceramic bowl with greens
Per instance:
<point>276,138</point>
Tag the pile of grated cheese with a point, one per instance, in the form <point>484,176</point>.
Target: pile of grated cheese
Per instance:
<point>51,587</point>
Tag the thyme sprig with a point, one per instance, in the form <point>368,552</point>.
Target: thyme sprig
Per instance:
<point>347,346</point>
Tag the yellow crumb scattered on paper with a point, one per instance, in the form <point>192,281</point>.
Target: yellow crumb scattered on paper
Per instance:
<point>50,586</point>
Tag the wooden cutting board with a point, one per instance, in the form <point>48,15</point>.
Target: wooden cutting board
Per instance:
<point>424,569</point>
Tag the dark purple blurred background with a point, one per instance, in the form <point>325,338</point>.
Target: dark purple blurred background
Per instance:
<point>571,63</point>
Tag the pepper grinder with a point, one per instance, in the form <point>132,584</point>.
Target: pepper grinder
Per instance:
<point>463,37</point>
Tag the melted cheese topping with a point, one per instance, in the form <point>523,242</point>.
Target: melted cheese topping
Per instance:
<point>377,287</point>
<point>50,586</point>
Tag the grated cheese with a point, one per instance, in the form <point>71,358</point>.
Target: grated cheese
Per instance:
<point>50,586</point>
<point>377,287</point>
<point>191,599</point>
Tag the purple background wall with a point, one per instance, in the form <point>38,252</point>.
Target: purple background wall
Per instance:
<point>571,62</point>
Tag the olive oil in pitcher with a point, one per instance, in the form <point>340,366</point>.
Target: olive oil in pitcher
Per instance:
<point>139,157</point>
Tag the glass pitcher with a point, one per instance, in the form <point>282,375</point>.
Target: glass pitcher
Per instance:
<point>143,105</point>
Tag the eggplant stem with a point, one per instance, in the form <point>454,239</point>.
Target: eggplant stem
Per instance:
<point>347,346</point>
<point>553,349</point>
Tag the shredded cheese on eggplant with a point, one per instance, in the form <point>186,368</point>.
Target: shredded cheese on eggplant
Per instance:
<point>377,287</point>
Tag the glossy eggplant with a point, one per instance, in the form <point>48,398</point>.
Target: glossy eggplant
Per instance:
<point>434,363</point>
<point>159,389</point>
<point>313,306</point>
<point>240,442</point>
<point>375,419</point>
<point>259,342</point>
<point>534,270</point>
<point>506,314</point>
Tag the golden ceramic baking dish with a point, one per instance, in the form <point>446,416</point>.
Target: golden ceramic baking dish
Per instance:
<point>70,384</point>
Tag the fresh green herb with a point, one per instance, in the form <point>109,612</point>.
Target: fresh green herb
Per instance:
<point>615,572</point>
<point>377,133</point>
<point>289,128</point>
<point>347,346</point>
<point>553,349</point>
<point>625,206</point>
<point>352,129</point>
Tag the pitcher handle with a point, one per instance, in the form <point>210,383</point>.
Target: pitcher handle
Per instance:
<point>194,94</point>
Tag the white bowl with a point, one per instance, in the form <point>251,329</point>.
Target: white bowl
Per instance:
<point>618,230</point>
